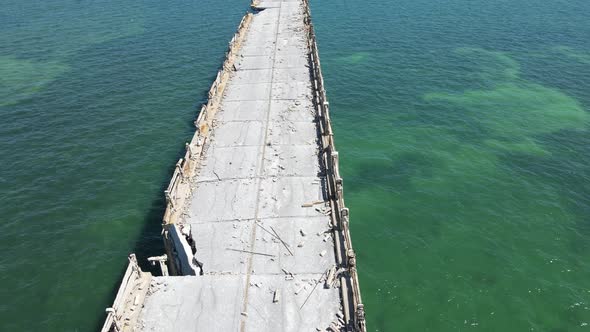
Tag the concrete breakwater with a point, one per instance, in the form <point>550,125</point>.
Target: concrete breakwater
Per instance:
<point>256,231</point>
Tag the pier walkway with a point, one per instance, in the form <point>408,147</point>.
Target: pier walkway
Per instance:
<point>256,231</point>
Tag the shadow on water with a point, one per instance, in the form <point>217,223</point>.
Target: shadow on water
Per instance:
<point>150,242</point>
<point>92,142</point>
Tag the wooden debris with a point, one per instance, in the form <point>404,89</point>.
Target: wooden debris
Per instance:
<point>276,297</point>
<point>312,203</point>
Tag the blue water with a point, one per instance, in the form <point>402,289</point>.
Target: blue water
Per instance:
<point>462,127</point>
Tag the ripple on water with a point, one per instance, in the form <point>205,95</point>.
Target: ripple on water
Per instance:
<point>462,127</point>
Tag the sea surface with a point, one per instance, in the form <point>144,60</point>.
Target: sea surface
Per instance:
<point>463,128</point>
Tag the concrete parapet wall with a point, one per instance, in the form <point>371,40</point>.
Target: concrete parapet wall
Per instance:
<point>340,214</point>
<point>178,190</point>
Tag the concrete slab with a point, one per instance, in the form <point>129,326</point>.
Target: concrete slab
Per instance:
<point>192,304</point>
<point>291,58</point>
<point>266,48</point>
<point>246,92</point>
<point>268,5</point>
<point>223,200</point>
<point>253,110</point>
<point>291,160</point>
<point>293,133</point>
<point>266,21</point>
<point>186,303</point>
<point>238,133</point>
<point>222,163</point>
<point>286,75</point>
<point>309,239</point>
<point>283,197</point>
<point>262,33</point>
<point>291,90</point>
<point>255,62</point>
<point>218,245</point>
<point>292,110</point>
<point>214,303</point>
<point>291,313</point>
<point>253,76</point>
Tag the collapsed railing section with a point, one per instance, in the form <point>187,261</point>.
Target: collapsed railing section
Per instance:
<point>354,313</point>
<point>133,287</point>
<point>179,190</point>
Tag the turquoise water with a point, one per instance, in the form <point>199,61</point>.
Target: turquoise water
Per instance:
<point>466,151</point>
<point>462,127</point>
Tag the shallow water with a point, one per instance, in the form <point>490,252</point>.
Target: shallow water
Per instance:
<point>462,127</point>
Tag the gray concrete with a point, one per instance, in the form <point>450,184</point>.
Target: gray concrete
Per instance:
<point>214,303</point>
<point>260,175</point>
<point>192,304</point>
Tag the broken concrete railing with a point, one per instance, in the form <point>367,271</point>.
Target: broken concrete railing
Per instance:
<point>127,295</point>
<point>178,190</point>
<point>340,214</point>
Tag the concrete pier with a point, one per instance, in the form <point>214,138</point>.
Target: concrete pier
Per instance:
<point>256,230</point>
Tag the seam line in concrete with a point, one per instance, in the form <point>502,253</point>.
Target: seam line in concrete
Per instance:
<point>319,216</point>
<point>253,236</point>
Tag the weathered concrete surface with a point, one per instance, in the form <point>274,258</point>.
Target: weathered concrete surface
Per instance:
<point>259,215</point>
<point>208,303</point>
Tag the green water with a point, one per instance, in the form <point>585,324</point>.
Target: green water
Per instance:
<point>463,127</point>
